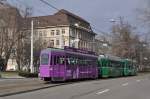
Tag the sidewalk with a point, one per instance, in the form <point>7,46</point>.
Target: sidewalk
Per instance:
<point>17,86</point>
<point>11,84</point>
<point>11,75</point>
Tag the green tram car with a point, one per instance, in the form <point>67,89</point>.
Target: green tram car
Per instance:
<point>111,66</point>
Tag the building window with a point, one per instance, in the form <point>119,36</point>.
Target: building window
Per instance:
<point>71,30</point>
<point>35,32</point>
<point>45,34</point>
<point>52,43</point>
<point>57,42</point>
<point>63,31</point>
<point>52,32</point>
<point>64,42</point>
<point>40,33</point>
<point>57,32</point>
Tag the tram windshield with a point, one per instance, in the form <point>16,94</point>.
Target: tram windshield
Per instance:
<point>44,59</point>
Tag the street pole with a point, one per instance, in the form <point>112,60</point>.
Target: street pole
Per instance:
<point>31,60</point>
<point>141,61</point>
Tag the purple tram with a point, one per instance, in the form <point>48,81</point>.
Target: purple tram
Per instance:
<point>67,64</point>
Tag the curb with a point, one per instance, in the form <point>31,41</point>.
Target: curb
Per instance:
<point>11,78</point>
<point>36,89</point>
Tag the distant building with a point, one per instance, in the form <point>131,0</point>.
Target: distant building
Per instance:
<point>62,29</point>
<point>102,47</point>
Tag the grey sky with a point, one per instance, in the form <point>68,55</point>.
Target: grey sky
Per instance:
<point>97,12</point>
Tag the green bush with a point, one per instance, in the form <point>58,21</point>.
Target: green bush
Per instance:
<point>27,74</point>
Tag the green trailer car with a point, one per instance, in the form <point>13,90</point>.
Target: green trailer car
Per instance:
<point>115,67</point>
<point>130,68</point>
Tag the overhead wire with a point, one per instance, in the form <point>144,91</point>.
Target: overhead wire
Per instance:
<point>92,26</point>
<point>52,6</point>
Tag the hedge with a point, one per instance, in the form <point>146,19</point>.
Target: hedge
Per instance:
<point>27,74</point>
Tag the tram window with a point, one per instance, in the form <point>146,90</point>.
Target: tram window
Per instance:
<point>67,63</point>
<point>88,62</point>
<point>68,60</point>
<point>61,60</point>
<point>55,60</point>
<point>44,59</point>
<point>76,61</point>
<point>85,63</point>
<point>51,60</point>
<point>72,61</point>
<point>80,62</point>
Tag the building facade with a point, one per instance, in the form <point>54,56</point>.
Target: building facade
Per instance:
<point>62,29</point>
<point>58,30</point>
<point>102,47</point>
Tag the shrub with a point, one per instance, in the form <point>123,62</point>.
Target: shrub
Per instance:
<point>27,74</point>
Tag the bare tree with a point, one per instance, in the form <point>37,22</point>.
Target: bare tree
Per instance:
<point>144,17</point>
<point>9,31</point>
<point>22,45</point>
<point>123,43</point>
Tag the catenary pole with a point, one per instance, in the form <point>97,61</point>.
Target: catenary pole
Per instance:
<point>31,60</point>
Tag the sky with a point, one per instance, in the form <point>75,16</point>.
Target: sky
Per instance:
<point>97,12</point>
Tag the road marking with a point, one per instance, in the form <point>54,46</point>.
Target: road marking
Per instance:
<point>138,80</point>
<point>125,84</point>
<point>104,91</point>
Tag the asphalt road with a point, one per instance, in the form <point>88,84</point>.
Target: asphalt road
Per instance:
<point>137,87</point>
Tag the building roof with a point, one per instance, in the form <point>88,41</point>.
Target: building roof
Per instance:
<point>62,17</point>
<point>50,20</point>
<point>71,14</point>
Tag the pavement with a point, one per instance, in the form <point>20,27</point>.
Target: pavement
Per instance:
<point>136,87</point>
<point>12,86</point>
<point>9,75</point>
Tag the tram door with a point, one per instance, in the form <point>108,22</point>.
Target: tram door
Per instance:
<point>58,67</point>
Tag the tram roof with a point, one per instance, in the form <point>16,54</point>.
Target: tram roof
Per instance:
<point>57,50</point>
<point>110,57</point>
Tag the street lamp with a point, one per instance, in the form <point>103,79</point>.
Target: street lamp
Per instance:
<point>76,24</point>
<point>112,20</point>
<point>145,58</point>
